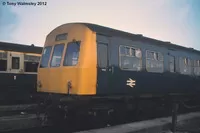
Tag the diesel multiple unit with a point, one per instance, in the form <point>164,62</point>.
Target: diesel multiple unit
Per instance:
<point>86,64</point>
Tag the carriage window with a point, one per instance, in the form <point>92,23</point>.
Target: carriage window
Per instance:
<point>130,58</point>
<point>124,50</point>
<point>133,52</point>
<point>57,55</point>
<point>198,63</point>
<point>15,62</point>
<point>185,65</point>
<point>45,57</point>
<point>154,62</point>
<point>197,67</point>
<point>150,55</point>
<point>3,61</point>
<point>72,54</point>
<point>31,63</point>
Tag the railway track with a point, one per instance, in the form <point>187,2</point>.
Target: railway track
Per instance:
<point>19,117</point>
<point>9,110</point>
<point>187,123</point>
<point>23,118</point>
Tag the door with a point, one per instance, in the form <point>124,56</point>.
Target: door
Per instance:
<point>171,63</point>
<point>16,62</point>
<point>102,68</point>
<point>172,79</point>
<point>17,81</point>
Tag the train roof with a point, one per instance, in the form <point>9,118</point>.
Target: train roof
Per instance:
<point>20,48</point>
<point>107,31</point>
<point>113,32</point>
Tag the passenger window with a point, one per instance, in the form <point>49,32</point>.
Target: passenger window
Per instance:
<point>3,61</point>
<point>45,57</point>
<point>15,62</point>
<point>150,55</point>
<point>72,54</point>
<point>125,51</point>
<point>31,63</point>
<point>130,58</point>
<point>197,67</point>
<point>154,62</point>
<point>57,55</point>
<point>133,52</point>
<point>102,55</point>
<point>171,63</point>
<point>185,65</point>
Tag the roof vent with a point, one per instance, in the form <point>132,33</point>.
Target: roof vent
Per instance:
<point>32,45</point>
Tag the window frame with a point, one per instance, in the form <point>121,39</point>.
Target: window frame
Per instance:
<point>196,63</point>
<point>189,67</point>
<point>5,59</point>
<point>154,55</point>
<point>52,54</point>
<point>31,56</point>
<point>130,52</point>
<point>65,52</point>
<point>29,61</point>
<point>147,50</point>
<point>196,67</point>
<point>48,58</point>
<point>18,65</point>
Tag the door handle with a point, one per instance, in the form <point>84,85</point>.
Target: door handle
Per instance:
<point>103,69</point>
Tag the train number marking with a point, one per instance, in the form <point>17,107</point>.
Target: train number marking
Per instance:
<point>130,82</point>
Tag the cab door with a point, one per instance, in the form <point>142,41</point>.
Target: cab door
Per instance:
<point>102,68</point>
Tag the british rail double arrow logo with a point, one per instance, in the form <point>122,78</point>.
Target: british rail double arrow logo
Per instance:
<point>131,82</point>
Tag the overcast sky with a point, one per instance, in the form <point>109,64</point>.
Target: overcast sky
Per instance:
<point>177,21</point>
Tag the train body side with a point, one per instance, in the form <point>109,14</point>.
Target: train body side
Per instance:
<point>113,79</point>
<point>18,72</point>
<point>17,88</point>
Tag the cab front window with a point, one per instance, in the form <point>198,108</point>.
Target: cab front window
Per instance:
<point>72,54</point>
<point>45,57</point>
<point>57,55</point>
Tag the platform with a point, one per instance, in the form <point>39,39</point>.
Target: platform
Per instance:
<point>149,126</point>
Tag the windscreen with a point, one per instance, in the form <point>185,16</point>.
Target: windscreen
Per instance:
<point>45,57</point>
<point>57,55</point>
<point>72,54</point>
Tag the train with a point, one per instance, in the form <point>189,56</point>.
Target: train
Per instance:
<point>89,67</point>
<point>18,72</point>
